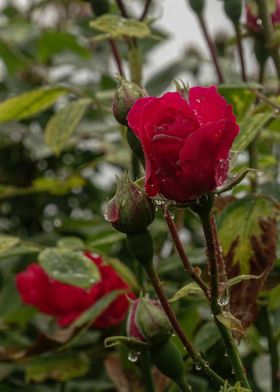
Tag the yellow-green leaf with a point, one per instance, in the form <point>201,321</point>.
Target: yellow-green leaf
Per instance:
<point>69,267</point>
<point>62,125</point>
<point>28,104</point>
<point>117,26</point>
<point>189,289</point>
<point>249,127</point>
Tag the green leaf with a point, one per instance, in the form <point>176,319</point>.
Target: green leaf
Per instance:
<point>241,278</point>
<point>28,104</point>
<point>73,243</point>
<point>69,267</point>
<point>62,125</point>
<point>56,186</point>
<point>91,314</point>
<point>54,42</point>
<point>274,298</point>
<point>189,289</point>
<point>240,96</point>
<point>7,242</point>
<point>124,272</point>
<point>207,336</point>
<point>249,128</point>
<point>12,57</point>
<point>56,367</point>
<point>117,26</point>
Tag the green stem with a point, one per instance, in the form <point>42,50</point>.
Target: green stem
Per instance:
<point>226,334</point>
<point>269,33</point>
<point>194,354</point>
<point>145,366</point>
<point>273,349</point>
<point>212,48</point>
<point>178,244</point>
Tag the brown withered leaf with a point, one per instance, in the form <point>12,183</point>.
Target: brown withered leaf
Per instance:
<point>248,234</point>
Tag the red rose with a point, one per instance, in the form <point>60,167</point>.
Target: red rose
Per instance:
<point>253,20</point>
<point>66,302</point>
<point>186,143</point>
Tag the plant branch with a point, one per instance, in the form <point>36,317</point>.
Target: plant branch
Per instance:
<point>240,51</point>
<point>116,56</point>
<point>226,334</point>
<point>178,244</point>
<point>122,8</point>
<point>194,354</point>
<point>146,9</point>
<point>269,33</point>
<point>212,48</point>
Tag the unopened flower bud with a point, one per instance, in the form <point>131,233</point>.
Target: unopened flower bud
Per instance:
<point>197,6</point>
<point>233,9</point>
<point>99,7</point>
<point>147,322</point>
<point>126,94</point>
<point>130,211</point>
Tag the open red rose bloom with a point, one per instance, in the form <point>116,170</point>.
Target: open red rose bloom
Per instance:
<point>186,143</point>
<point>66,302</point>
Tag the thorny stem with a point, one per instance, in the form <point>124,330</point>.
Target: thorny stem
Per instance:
<point>116,56</point>
<point>232,351</point>
<point>240,51</point>
<point>269,33</point>
<point>122,8</point>
<point>178,244</point>
<point>212,48</point>
<point>146,9</point>
<point>194,354</point>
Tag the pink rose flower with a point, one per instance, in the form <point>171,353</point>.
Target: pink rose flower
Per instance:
<point>186,142</point>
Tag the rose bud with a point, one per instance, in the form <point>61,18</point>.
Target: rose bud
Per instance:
<point>125,96</point>
<point>233,9</point>
<point>130,211</point>
<point>253,21</point>
<point>186,142</point>
<point>148,323</point>
<point>99,7</point>
<point>66,302</point>
<point>197,6</point>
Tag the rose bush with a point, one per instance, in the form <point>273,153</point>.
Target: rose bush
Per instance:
<point>253,21</point>
<point>186,142</point>
<point>66,302</point>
